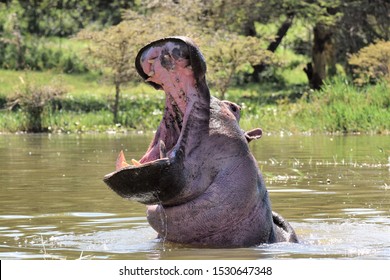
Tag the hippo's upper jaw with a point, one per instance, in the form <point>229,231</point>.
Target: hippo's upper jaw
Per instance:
<point>198,176</point>
<point>167,64</point>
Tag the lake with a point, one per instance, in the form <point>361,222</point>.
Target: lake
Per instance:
<point>334,190</point>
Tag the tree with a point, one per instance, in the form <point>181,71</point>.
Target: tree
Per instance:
<point>113,52</point>
<point>323,56</point>
<point>274,44</point>
<point>362,22</point>
<point>229,55</point>
<point>234,22</point>
<point>316,13</point>
<point>338,33</point>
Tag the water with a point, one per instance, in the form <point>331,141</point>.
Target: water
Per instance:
<point>334,190</point>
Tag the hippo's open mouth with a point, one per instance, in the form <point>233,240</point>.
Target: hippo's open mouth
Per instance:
<point>167,64</point>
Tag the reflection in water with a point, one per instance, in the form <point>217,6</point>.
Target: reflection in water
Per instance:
<point>335,191</point>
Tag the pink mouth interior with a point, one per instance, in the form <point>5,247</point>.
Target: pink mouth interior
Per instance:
<point>168,65</point>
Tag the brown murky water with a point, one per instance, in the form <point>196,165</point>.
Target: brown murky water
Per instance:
<point>334,190</point>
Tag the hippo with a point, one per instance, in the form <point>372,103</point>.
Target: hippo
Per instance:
<point>198,178</point>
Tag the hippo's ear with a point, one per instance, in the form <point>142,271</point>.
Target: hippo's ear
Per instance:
<point>253,134</point>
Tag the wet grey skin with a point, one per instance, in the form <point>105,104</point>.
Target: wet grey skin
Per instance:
<point>198,178</point>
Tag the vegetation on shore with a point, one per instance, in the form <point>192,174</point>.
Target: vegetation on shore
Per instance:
<point>340,107</point>
<point>292,65</point>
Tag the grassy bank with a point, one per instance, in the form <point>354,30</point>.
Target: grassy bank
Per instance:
<point>339,107</point>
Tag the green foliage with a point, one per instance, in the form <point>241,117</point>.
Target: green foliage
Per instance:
<point>142,112</point>
<point>372,63</point>
<point>232,34</point>
<point>65,17</point>
<point>33,100</point>
<point>33,54</point>
<point>229,58</point>
<point>12,121</point>
<point>22,51</point>
<point>229,55</point>
<point>113,51</point>
<point>362,23</point>
<point>341,107</point>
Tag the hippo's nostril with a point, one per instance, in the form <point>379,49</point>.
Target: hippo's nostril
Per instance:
<point>165,60</point>
<point>176,53</point>
<point>180,52</point>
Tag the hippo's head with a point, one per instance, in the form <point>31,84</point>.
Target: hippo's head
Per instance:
<point>169,64</point>
<point>198,177</point>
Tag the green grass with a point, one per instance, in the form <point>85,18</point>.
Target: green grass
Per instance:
<point>339,108</point>
<point>91,84</point>
<point>86,106</point>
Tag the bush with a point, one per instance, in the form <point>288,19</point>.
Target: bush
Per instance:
<point>33,101</point>
<point>371,64</point>
<point>342,107</point>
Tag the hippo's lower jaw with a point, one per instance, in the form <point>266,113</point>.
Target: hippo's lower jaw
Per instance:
<point>149,183</point>
<point>201,182</point>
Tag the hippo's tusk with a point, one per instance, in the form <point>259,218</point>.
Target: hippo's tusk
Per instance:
<point>121,161</point>
<point>151,73</point>
<point>163,149</point>
<point>135,162</point>
<point>151,61</point>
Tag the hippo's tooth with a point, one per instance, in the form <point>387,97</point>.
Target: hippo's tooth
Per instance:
<point>151,73</point>
<point>163,149</point>
<point>121,161</point>
<point>151,61</point>
<point>135,162</point>
<point>189,67</point>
